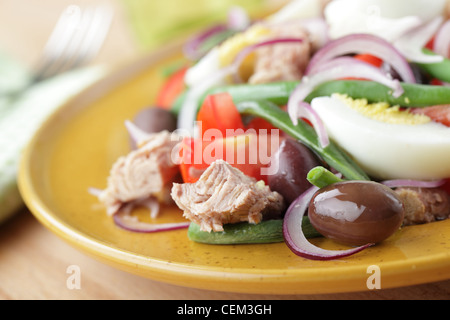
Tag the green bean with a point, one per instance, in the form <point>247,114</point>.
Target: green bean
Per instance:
<point>414,96</point>
<point>331,154</point>
<point>322,177</point>
<point>268,231</point>
<point>277,93</point>
<point>440,70</point>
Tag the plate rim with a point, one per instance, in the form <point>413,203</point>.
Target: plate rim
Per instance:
<point>220,278</point>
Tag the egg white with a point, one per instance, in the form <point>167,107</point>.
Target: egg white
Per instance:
<point>387,151</point>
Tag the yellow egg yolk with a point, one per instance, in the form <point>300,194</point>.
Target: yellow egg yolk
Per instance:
<point>383,112</point>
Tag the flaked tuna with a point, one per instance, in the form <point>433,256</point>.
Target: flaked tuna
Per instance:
<point>223,195</point>
<point>424,205</point>
<point>145,172</point>
<point>283,62</point>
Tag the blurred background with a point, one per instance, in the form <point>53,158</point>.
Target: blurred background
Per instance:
<point>138,25</point>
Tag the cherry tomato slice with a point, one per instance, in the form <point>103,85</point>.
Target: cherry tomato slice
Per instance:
<point>220,113</point>
<point>171,89</point>
<point>439,113</point>
<point>370,59</point>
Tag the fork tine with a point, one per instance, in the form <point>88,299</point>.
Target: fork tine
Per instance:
<point>94,27</point>
<point>60,37</point>
<point>74,46</point>
<point>78,36</point>
<point>98,31</point>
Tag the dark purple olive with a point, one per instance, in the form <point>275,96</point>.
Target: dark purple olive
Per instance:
<point>293,162</point>
<point>154,119</point>
<point>356,212</point>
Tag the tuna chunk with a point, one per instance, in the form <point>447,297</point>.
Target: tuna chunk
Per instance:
<point>424,205</point>
<point>223,195</point>
<point>143,173</point>
<point>283,62</point>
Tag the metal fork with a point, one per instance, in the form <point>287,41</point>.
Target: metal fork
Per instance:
<point>76,38</point>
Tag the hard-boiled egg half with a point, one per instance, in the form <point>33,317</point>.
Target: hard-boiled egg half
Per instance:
<point>387,142</point>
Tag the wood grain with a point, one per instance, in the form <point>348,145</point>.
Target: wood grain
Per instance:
<point>34,261</point>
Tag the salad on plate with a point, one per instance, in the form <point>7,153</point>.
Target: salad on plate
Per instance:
<point>324,119</point>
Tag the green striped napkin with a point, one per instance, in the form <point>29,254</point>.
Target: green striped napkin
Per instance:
<point>20,117</point>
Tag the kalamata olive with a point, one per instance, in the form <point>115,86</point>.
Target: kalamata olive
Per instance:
<point>154,119</point>
<point>356,212</point>
<point>293,161</point>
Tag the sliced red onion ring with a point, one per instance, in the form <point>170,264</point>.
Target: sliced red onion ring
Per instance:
<point>246,51</point>
<point>296,240</point>
<point>364,43</point>
<point>397,183</point>
<point>237,20</point>
<point>305,110</point>
<point>338,68</point>
<point>192,48</point>
<point>412,43</point>
<point>126,221</point>
<point>442,40</point>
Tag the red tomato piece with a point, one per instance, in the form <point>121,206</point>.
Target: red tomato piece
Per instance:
<point>370,59</point>
<point>260,124</point>
<point>171,89</point>
<point>439,113</point>
<point>249,153</point>
<point>220,113</point>
<point>191,160</point>
<point>430,44</point>
<point>436,82</point>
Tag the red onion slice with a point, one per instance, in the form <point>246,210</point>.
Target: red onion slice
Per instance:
<point>397,183</point>
<point>442,40</point>
<point>305,110</point>
<point>412,43</point>
<point>364,43</point>
<point>296,240</point>
<point>192,48</point>
<point>237,20</point>
<point>126,221</point>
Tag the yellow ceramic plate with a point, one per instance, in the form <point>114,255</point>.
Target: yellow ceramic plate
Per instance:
<point>75,149</point>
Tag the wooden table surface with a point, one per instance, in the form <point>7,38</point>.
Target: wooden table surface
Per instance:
<point>34,261</point>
